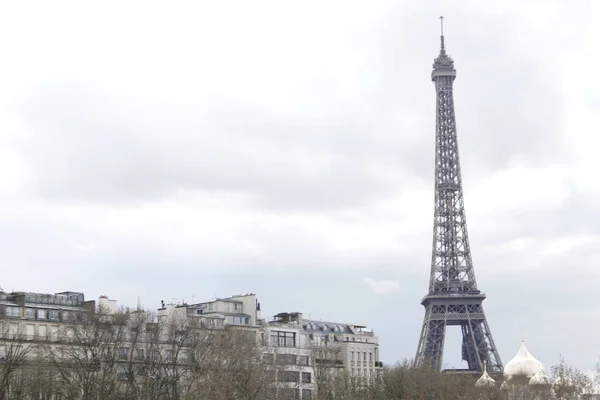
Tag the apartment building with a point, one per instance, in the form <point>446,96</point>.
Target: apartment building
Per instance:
<point>39,316</point>
<point>297,351</point>
<point>351,348</point>
<point>240,310</point>
<point>288,348</point>
<point>285,348</point>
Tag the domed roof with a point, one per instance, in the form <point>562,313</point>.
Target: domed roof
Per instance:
<point>540,379</point>
<point>485,380</point>
<point>522,365</point>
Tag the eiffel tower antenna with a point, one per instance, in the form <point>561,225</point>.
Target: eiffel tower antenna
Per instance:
<point>442,47</point>
<point>453,297</point>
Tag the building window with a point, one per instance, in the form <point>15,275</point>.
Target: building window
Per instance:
<point>288,393</point>
<point>123,372</point>
<point>351,356</point>
<point>169,356</point>
<point>303,360</point>
<point>306,393</point>
<point>54,332</point>
<point>185,355</point>
<point>290,376</point>
<point>237,320</point>
<point>283,339</point>
<point>30,313</point>
<point>268,358</point>
<point>42,331</point>
<point>306,378</point>
<point>286,359</point>
<point>123,353</point>
<point>13,311</point>
<point>53,315</point>
<point>365,356</point>
<point>139,354</point>
<point>13,331</point>
<point>370,358</point>
<point>42,314</point>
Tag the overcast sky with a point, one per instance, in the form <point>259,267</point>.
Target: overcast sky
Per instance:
<point>185,151</point>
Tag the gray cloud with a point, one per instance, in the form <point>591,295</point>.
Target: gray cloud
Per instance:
<point>88,149</point>
<point>90,145</point>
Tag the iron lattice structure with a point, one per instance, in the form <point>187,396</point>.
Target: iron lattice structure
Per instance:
<point>453,297</point>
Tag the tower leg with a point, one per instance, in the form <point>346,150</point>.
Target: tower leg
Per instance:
<point>431,343</point>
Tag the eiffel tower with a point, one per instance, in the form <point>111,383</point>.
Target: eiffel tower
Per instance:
<point>453,297</point>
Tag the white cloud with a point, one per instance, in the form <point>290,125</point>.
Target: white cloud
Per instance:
<point>383,286</point>
<point>83,245</point>
<point>520,187</point>
<point>566,244</point>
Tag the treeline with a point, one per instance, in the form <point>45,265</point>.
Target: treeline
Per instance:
<point>132,355</point>
<point>138,356</point>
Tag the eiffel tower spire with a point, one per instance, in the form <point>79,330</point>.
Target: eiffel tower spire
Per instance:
<point>442,47</point>
<point>453,297</point>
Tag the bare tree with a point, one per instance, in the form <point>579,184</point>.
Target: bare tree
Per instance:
<point>169,348</point>
<point>238,370</point>
<point>86,356</point>
<point>14,353</point>
<point>201,357</point>
<point>570,383</point>
<point>329,375</point>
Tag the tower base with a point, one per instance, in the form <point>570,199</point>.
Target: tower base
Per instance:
<point>465,310</point>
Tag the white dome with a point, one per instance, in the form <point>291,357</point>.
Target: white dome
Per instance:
<point>524,365</point>
<point>540,379</point>
<point>485,380</point>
